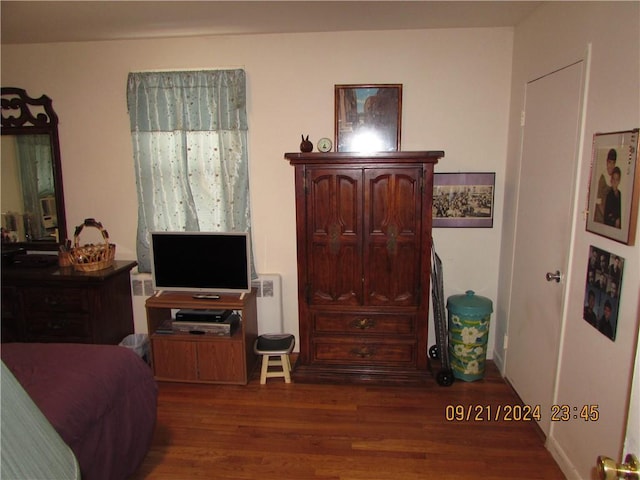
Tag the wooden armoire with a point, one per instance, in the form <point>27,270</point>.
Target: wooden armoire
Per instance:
<point>364,264</point>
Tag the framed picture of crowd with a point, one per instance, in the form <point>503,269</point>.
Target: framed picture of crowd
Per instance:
<point>602,291</point>
<point>463,200</point>
<point>614,186</point>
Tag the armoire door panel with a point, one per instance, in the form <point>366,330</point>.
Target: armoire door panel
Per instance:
<point>392,236</point>
<point>334,199</point>
<point>378,200</point>
<point>393,197</point>
<point>335,263</point>
<point>335,278</point>
<point>392,279</point>
<point>408,201</point>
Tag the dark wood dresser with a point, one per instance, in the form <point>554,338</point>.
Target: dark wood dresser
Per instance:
<point>364,263</point>
<point>53,304</point>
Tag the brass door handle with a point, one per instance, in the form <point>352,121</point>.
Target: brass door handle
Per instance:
<point>608,469</point>
<point>554,276</point>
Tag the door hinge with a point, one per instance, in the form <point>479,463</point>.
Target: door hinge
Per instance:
<point>522,118</point>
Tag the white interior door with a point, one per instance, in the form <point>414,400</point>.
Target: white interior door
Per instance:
<point>550,142</point>
<point>632,436</point>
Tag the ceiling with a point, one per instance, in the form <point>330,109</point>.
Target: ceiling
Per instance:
<point>73,21</point>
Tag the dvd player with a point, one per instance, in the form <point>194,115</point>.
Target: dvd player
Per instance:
<point>225,328</point>
<point>202,315</point>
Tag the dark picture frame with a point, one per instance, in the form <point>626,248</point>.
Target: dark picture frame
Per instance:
<point>463,200</point>
<point>614,186</point>
<point>602,291</point>
<point>368,117</point>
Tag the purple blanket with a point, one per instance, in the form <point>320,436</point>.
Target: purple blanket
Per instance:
<point>101,399</point>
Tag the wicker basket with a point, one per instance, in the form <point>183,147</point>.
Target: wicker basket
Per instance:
<point>89,258</point>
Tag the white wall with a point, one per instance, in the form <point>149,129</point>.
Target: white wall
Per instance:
<point>456,86</point>
<point>592,369</point>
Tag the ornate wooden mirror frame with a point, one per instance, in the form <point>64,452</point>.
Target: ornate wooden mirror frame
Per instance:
<point>23,115</point>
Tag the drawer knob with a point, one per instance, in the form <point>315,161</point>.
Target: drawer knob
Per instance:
<point>52,301</point>
<point>57,324</point>
<point>363,323</point>
<point>363,352</point>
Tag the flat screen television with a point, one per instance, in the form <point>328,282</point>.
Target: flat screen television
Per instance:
<point>204,262</point>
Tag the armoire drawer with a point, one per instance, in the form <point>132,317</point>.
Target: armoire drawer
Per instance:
<point>364,323</point>
<point>331,350</point>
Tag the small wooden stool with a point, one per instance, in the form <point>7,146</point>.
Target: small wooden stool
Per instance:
<point>277,346</point>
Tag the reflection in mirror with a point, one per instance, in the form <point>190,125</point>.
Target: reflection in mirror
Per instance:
<point>32,201</point>
<point>28,192</point>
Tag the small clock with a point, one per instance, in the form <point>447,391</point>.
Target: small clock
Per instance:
<point>324,145</point>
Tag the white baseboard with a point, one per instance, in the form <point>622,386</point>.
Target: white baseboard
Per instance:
<point>499,361</point>
<point>558,454</point>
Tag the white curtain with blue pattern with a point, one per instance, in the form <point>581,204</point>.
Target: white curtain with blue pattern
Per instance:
<point>189,133</point>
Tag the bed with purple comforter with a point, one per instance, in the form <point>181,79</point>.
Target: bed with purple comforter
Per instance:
<point>101,399</point>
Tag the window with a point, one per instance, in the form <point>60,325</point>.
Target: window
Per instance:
<point>189,134</point>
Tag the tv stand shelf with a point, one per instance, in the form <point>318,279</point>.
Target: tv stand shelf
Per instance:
<point>182,357</point>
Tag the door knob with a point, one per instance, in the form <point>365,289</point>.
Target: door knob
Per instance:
<point>554,276</point>
<point>608,469</point>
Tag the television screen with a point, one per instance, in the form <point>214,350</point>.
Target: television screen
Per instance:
<point>201,261</point>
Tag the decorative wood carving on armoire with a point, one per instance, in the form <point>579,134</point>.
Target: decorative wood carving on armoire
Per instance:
<point>364,264</point>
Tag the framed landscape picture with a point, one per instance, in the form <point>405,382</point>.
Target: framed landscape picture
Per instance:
<point>614,186</point>
<point>368,117</point>
<point>463,200</point>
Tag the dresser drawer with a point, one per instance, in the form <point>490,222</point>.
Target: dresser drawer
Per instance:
<point>359,352</point>
<point>364,323</point>
<point>56,314</point>
<point>51,300</point>
<point>58,327</point>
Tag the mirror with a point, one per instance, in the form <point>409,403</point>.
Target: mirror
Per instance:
<point>32,199</point>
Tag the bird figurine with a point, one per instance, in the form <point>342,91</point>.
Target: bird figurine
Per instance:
<point>306,146</point>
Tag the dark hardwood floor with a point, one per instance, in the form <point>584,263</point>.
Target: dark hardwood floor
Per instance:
<point>343,432</point>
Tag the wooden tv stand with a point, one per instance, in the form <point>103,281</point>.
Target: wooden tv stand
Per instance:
<point>183,357</point>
